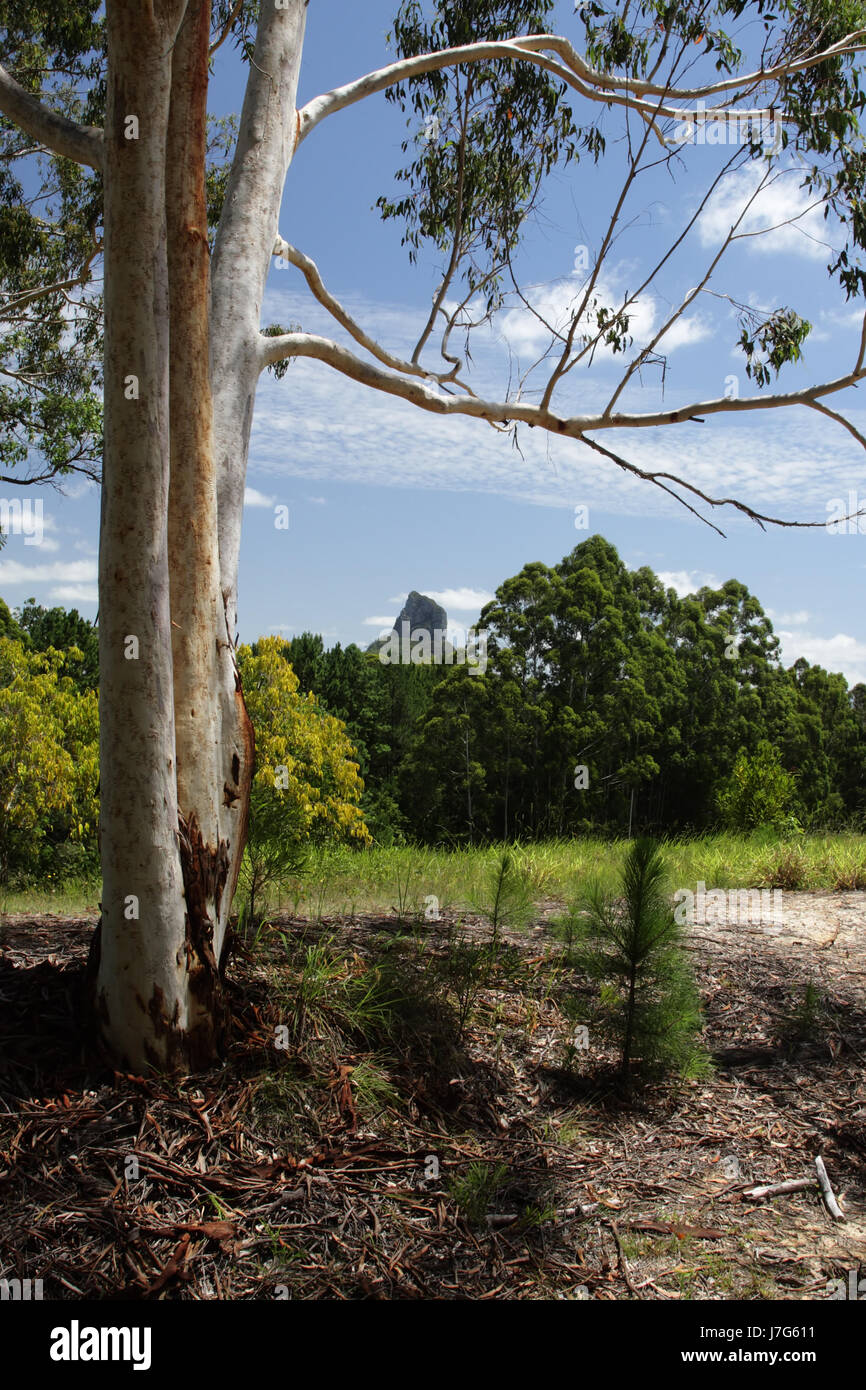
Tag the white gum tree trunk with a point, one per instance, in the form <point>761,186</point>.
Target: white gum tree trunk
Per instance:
<point>176,744</point>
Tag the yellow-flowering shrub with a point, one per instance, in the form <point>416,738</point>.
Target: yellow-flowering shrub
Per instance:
<point>303,755</point>
<point>49,756</point>
<point>307,786</point>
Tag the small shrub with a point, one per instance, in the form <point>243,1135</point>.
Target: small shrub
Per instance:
<point>372,1088</point>
<point>475,1190</point>
<point>807,1021</point>
<point>759,792</point>
<point>335,996</point>
<point>567,929</point>
<point>465,969</point>
<point>273,857</point>
<point>848,872</point>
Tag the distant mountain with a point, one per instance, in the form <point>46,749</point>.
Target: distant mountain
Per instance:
<point>419,615</point>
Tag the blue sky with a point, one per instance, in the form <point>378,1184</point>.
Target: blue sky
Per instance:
<point>385,498</point>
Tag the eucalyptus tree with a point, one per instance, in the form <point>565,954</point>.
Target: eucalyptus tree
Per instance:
<point>500,103</point>
<point>50,240</point>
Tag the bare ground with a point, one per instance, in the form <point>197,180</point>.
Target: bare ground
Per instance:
<point>281,1174</point>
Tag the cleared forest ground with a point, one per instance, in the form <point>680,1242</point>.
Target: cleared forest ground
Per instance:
<point>373,1149</point>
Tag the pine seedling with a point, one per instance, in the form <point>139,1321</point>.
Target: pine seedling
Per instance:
<point>632,945</point>
<point>506,898</point>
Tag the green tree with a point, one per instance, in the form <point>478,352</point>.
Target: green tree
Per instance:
<point>64,630</point>
<point>306,654</point>
<point>307,788</point>
<point>50,241</point>
<point>8,625</point>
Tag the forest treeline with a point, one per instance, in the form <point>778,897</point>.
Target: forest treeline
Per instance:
<point>607,704</point>
<point>607,701</point>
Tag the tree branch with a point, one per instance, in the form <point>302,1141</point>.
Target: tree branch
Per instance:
<point>668,481</point>
<point>693,293</point>
<point>840,420</point>
<point>83,144</point>
<point>311,274</point>
<point>272,350</point>
<point>28,296</point>
<point>226,29</point>
<point>852,43</point>
<point>576,73</point>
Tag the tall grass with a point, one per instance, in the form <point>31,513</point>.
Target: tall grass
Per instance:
<point>72,898</point>
<point>382,878</point>
<point>403,878</point>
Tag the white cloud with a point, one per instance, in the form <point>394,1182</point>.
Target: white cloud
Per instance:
<point>77,489</point>
<point>76,593</point>
<point>687,581</point>
<point>254,498</point>
<point>463,600</point>
<point>684,332</point>
<point>318,501</point>
<point>47,542</point>
<point>527,335</point>
<point>381,623</point>
<point>838,653</point>
<point>830,321</point>
<point>71,571</point>
<point>798,619</point>
<point>782,217</point>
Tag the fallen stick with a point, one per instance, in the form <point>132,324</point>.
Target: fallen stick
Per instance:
<point>757,1194</point>
<point>504,1219</point>
<point>829,1197</point>
<point>623,1262</point>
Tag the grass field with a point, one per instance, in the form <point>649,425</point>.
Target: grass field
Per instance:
<point>343,881</point>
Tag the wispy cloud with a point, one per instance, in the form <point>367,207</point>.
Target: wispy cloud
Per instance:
<point>798,619</point>
<point>345,432</point>
<point>782,217</point>
<point>528,334</point>
<point>381,623</point>
<point>463,600</point>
